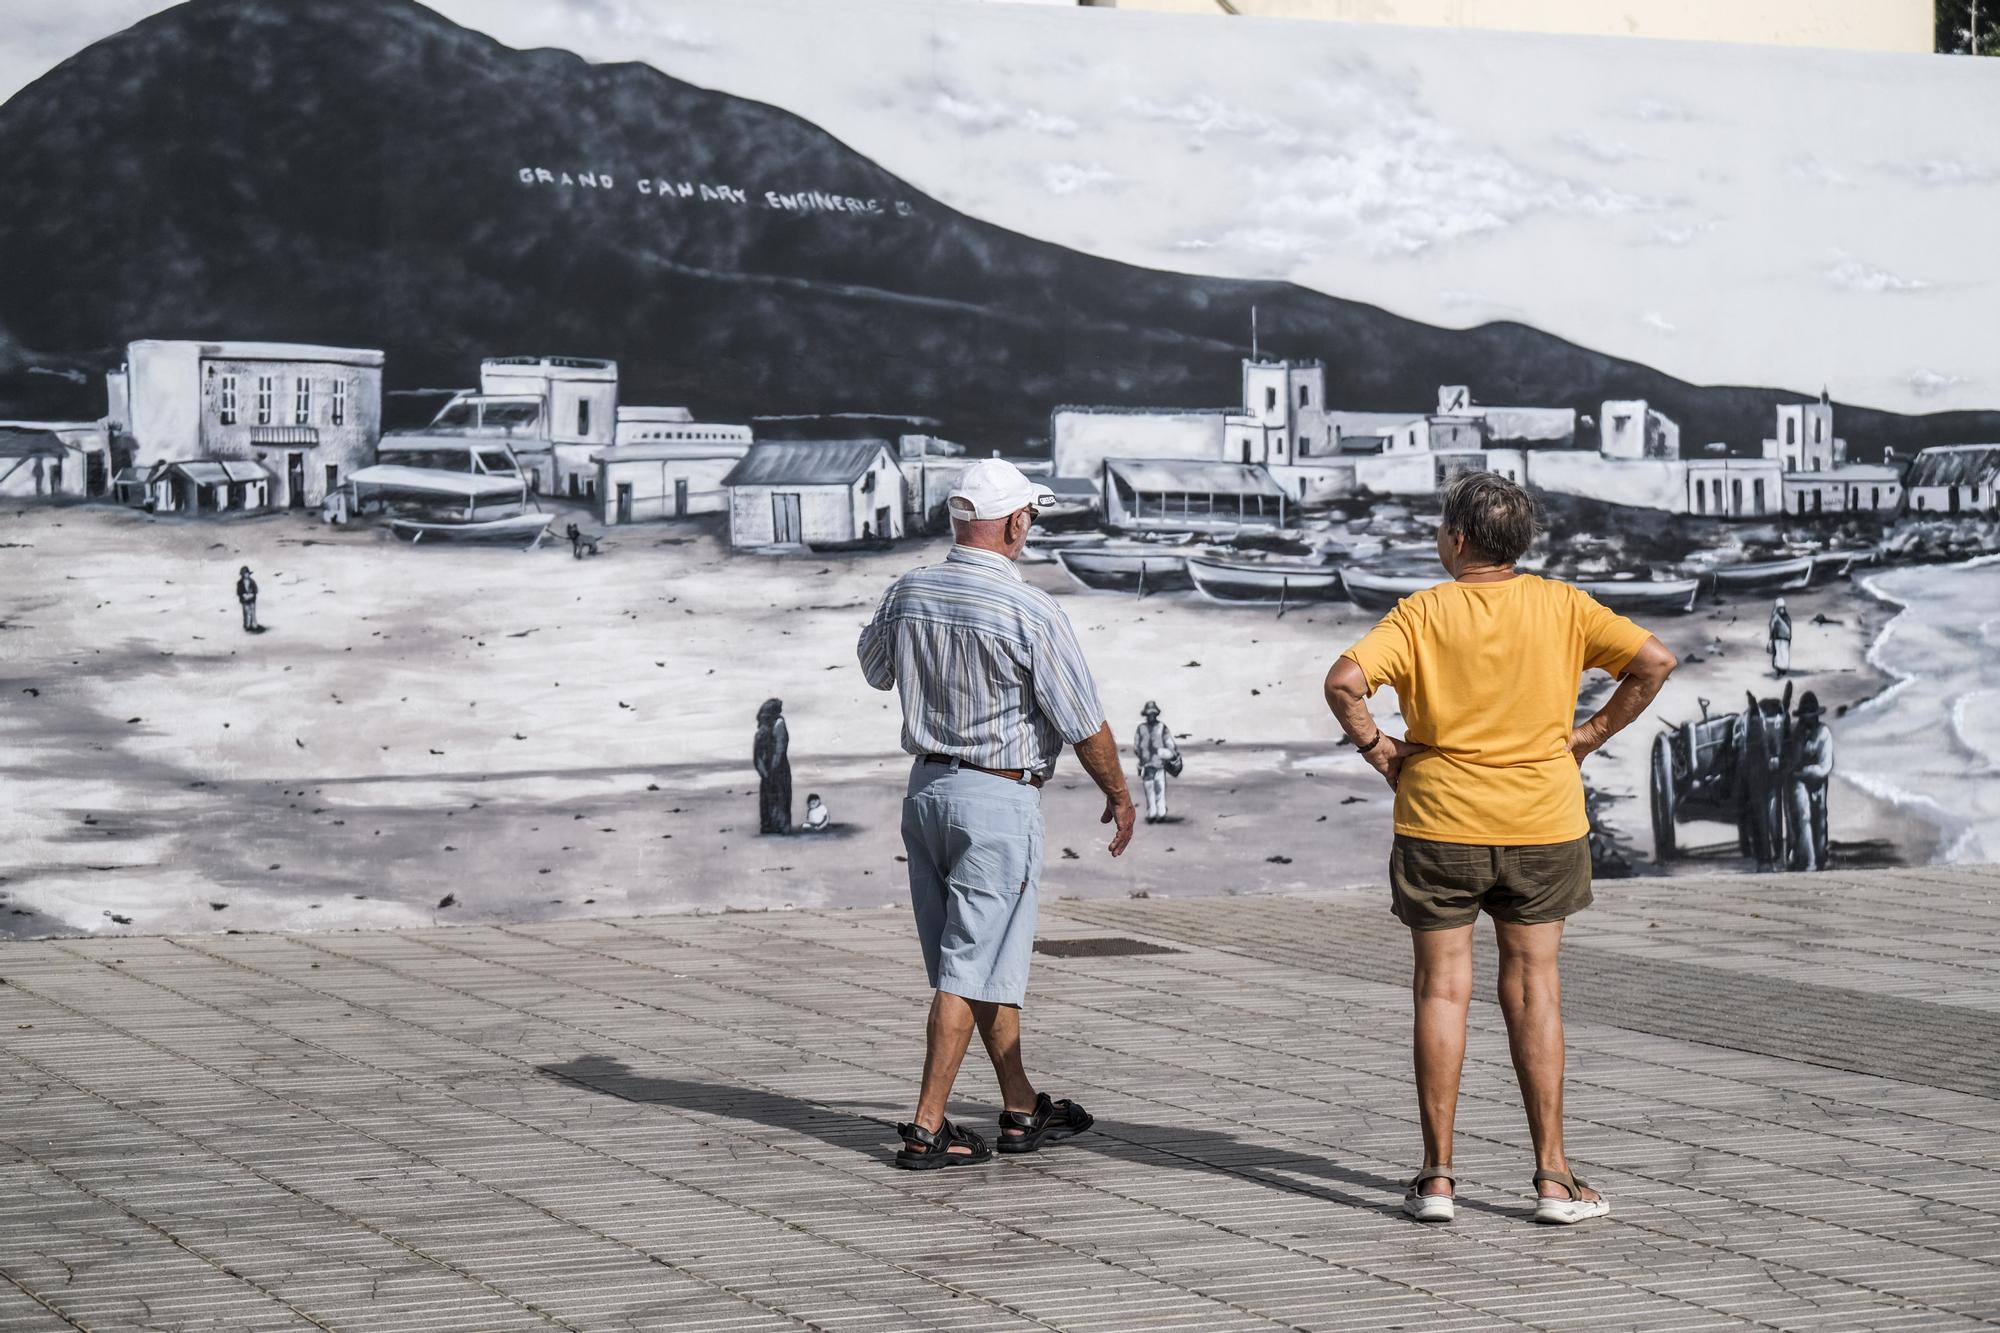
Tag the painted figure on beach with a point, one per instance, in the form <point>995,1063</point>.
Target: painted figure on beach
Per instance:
<point>1159,758</point>
<point>246,596</point>
<point>1760,768</point>
<point>1808,766</point>
<point>774,769</point>
<point>1780,647</point>
<point>817,815</point>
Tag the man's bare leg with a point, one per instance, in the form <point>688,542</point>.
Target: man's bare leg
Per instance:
<point>947,1035</point>
<point>1531,1000</point>
<point>1000,1029</point>
<point>1442,989</point>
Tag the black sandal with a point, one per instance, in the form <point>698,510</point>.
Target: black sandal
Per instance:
<point>937,1147</point>
<point>1051,1122</point>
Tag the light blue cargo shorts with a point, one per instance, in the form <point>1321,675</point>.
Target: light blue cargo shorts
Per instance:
<point>975,846</point>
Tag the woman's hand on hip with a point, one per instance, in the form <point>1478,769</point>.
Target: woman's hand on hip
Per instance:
<point>1387,758</point>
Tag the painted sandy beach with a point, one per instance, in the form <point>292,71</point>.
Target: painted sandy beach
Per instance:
<point>535,736</point>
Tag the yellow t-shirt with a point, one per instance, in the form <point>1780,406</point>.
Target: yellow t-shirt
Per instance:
<point>1487,675</point>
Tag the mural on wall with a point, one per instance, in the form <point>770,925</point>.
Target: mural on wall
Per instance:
<point>549,390</point>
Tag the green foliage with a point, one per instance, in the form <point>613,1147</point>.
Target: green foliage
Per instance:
<point>1968,27</point>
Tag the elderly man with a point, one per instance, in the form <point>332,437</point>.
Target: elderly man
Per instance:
<point>1489,805</point>
<point>993,685</point>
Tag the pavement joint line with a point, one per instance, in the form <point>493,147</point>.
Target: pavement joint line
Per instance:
<point>362,1133</point>
<point>1187,963</point>
<point>1890,1295</point>
<point>630,1165</point>
<point>146,1222</point>
<point>41,1300</point>
<point>1648,1020</point>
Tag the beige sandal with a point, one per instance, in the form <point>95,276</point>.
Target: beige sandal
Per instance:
<point>1431,1207</point>
<point>1567,1212</point>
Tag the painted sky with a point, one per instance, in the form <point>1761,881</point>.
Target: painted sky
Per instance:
<point>1729,214</point>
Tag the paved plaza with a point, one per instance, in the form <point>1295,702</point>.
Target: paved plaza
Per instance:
<point>1789,1086</point>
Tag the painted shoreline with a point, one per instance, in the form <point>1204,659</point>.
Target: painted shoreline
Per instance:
<point>1901,709</point>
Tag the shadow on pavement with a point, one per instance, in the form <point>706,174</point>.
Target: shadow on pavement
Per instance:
<point>1199,1150</point>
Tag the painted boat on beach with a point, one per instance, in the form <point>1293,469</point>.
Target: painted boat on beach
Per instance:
<point>1136,568</point>
<point>514,527</point>
<point>1264,582</point>
<point>1379,591</point>
<point>1763,575</point>
<point>1840,563</point>
<point>1376,591</point>
<point>1661,596</point>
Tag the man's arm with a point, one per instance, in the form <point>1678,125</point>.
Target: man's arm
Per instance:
<point>1644,675</point>
<point>1099,756</point>
<point>1347,698</point>
<point>878,663</point>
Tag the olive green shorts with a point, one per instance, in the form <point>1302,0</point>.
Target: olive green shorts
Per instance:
<point>1439,885</point>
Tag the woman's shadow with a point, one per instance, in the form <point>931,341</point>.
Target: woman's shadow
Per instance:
<point>1203,1151</point>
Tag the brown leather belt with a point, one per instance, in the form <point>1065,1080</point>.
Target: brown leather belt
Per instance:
<point>1011,774</point>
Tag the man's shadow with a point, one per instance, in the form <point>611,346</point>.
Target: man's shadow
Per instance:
<point>1203,1151</point>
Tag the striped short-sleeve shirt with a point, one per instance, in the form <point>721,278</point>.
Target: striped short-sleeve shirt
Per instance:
<point>988,667</point>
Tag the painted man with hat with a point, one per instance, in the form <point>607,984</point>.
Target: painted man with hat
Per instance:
<point>1808,767</point>
<point>993,684</point>
<point>246,596</point>
<point>1159,758</point>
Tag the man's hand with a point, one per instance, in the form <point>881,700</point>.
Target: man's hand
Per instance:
<point>1388,755</point>
<point>1118,810</point>
<point>1099,756</point>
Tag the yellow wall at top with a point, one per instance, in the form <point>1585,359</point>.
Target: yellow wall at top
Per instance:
<point>1868,25</point>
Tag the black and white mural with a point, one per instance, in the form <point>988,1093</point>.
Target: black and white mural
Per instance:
<point>447,452</point>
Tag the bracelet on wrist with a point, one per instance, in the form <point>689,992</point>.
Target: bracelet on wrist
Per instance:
<point>1364,749</point>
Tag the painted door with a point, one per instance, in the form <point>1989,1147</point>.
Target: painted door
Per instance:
<point>96,480</point>
<point>883,517</point>
<point>332,478</point>
<point>680,497</point>
<point>624,502</point>
<point>295,480</point>
<point>785,524</point>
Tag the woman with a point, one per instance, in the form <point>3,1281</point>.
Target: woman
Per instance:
<point>774,769</point>
<point>1489,804</point>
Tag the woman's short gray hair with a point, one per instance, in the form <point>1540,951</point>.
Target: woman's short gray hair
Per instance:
<point>1497,518</point>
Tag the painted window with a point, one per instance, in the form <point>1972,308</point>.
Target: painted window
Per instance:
<point>1791,431</point>
<point>583,416</point>
<point>337,408</point>
<point>1305,396</point>
<point>302,401</point>
<point>1270,399</point>
<point>266,387</point>
<point>1757,490</point>
<point>226,400</point>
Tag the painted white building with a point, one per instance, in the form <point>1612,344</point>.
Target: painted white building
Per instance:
<point>931,467</point>
<point>1082,438</point>
<point>665,465</point>
<point>579,402</point>
<point>54,458</point>
<point>1955,479</point>
<point>308,415</point>
<point>816,492</point>
<point>1818,478</point>
<point>1631,428</point>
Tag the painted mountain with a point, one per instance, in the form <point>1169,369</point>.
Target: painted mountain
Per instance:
<point>347,171</point>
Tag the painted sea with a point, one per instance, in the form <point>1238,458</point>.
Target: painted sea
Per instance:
<point>1929,741</point>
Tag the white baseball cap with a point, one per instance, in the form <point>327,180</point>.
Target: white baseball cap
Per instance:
<point>995,488</point>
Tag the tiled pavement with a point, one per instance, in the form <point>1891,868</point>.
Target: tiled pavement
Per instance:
<point>1789,1085</point>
